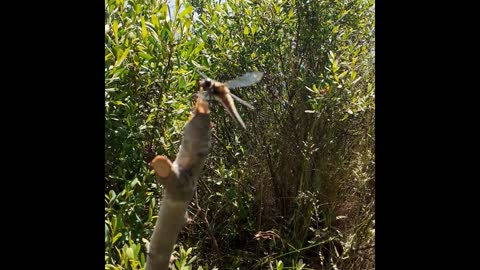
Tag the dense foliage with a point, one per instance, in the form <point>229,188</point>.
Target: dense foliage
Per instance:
<point>296,190</point>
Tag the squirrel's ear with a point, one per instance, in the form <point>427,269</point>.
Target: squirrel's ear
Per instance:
<point>161,165</point>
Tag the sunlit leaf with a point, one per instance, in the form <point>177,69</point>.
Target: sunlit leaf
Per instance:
<point>155,21</point>
<point>144,28</point>
<point>185,12</point>
<point>145,55</point>
<point>246,30</point>
<point>115,28</point>
<point>122,57</point>
<point>116,237</point>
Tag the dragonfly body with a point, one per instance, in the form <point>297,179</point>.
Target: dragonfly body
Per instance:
<point>221,92</point>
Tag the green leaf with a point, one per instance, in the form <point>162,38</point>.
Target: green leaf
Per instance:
<point>177,6</point>
<point>188,23</point>
<point>277,8</point>
<point>110,267</point>
<point>145,55</point>
<point>290,13</point>
<point>279,265</point>
<point>335,66</point>
<point>113,195</point>
<point>253,29</point>
<point>331,56</point>
<point>124,55</point>
<point>135,182</point>
<point>186,11</point>
<point>353,75</point>
<point>163,10</point>
<point>155,21</point>
<point>197,50</point>
<point>180,111</point>
<point>129,253</point>
<point>246,30</point>
<point>192,260</point>
<point>115,238</point>
<point>358,79</point>
<point>137,249</point>
<point>144,28</point>
<point>335,29</point>
<point>300,265</point>
<point>115,28</point>
<point>343,74</point>
<point>149,118</point>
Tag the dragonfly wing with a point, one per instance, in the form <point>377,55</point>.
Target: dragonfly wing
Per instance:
<point>245,80</point>
<point>250,106</point>
<point>203,75</point>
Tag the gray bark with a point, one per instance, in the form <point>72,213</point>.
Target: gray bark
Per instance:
<point>180,186</point>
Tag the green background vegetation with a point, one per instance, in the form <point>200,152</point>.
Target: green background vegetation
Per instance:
<point>303,171</point>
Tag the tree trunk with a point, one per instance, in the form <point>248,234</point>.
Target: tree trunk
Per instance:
<point>180,181</point>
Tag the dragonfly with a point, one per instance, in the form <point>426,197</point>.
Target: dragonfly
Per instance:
<point>221,91</point>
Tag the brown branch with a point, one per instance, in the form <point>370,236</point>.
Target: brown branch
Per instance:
<point>179,179</point>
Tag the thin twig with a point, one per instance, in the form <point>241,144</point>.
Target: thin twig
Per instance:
<point>363,248</point>
<point>224,146</point>
<point>209,231</point>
